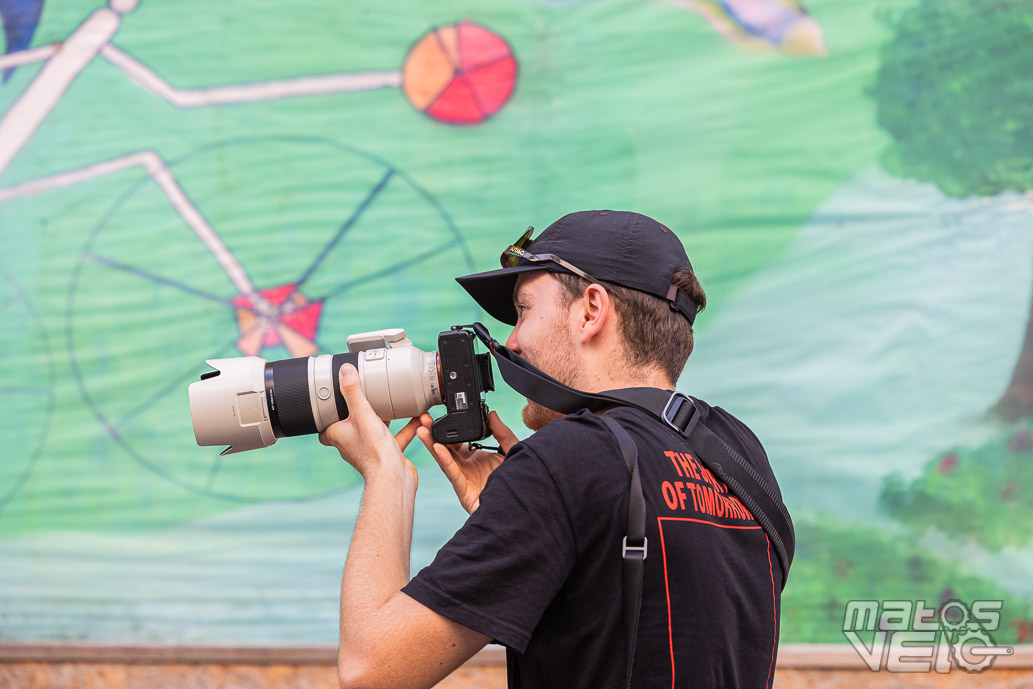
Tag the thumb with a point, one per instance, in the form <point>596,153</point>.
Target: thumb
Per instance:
<point>351,388</point>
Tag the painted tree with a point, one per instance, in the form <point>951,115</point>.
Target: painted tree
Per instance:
<point>955,95</point>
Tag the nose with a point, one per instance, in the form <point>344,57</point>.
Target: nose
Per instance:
<point>511,342</point>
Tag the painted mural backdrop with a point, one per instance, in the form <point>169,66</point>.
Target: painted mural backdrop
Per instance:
<point>188,180</point>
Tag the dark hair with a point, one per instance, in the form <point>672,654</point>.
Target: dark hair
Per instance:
<point>651,333</point>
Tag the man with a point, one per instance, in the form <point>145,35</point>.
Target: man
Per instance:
<point>603,300</point>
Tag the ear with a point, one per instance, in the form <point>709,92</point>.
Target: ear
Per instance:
<point>596,310</point>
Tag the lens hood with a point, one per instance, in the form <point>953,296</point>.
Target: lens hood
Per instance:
<point>228,405</point>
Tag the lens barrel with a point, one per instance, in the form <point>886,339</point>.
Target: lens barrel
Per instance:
<point>247,402</point>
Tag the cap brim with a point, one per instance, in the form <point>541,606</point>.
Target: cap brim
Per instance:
<point>494,290</point>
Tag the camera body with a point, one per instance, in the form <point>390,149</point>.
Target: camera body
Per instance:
<point>465,377</point>
<point>247,402</point>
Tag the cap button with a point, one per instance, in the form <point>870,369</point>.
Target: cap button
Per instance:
<point>602,212</point>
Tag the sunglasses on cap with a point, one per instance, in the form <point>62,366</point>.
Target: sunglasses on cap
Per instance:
<point>519,250</point>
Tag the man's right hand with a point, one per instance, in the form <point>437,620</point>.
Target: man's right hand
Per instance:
<point>467,469</point>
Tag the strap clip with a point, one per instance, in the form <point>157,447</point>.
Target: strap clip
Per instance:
<point>673,409</point>
<point>490,448</point>
<point>636,552</point>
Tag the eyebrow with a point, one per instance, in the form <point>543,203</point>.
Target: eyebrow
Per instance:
<point>521,296</point>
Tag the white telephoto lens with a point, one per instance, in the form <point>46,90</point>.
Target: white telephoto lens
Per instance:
<point>247,403</point>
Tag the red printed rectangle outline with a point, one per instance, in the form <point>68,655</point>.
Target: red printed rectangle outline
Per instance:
<point>670,632</point>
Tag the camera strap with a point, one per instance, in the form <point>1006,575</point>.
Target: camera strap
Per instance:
<point>675,410</point>
<point>635,546</point>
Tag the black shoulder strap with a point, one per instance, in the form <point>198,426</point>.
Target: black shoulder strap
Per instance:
<point>680,413</point>
<point>635,546</point>
<point>742,478</point>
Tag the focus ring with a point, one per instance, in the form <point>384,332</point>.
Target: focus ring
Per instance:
<point>290,385</point>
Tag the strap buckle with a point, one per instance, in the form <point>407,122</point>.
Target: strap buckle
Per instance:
<point>636,552</point>
<point>674,407</point>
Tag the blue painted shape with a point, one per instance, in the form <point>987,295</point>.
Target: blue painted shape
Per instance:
<point>766,19</point>
<point>20,18</point>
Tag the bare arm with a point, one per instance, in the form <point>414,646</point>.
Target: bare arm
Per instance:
<point>387,638</point>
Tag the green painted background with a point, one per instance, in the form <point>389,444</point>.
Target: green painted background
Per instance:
<point>867,309</point>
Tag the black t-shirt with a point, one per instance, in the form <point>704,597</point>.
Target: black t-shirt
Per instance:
<point>538,566</point>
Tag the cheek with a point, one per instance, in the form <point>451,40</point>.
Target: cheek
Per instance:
<point>527,334</point>
<point>520,336</point>
<point>539,332</point>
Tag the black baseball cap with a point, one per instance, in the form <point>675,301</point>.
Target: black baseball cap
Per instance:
<point>628,249</point>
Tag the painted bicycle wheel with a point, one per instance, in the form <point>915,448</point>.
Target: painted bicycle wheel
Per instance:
<point>272,247</point>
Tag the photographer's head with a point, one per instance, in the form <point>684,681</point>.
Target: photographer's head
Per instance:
<point>601,300</point>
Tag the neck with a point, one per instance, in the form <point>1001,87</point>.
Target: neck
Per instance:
<point>598,381</point>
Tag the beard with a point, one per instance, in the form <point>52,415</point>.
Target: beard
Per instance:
<point>559,362</point>
<point>536,417</point>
